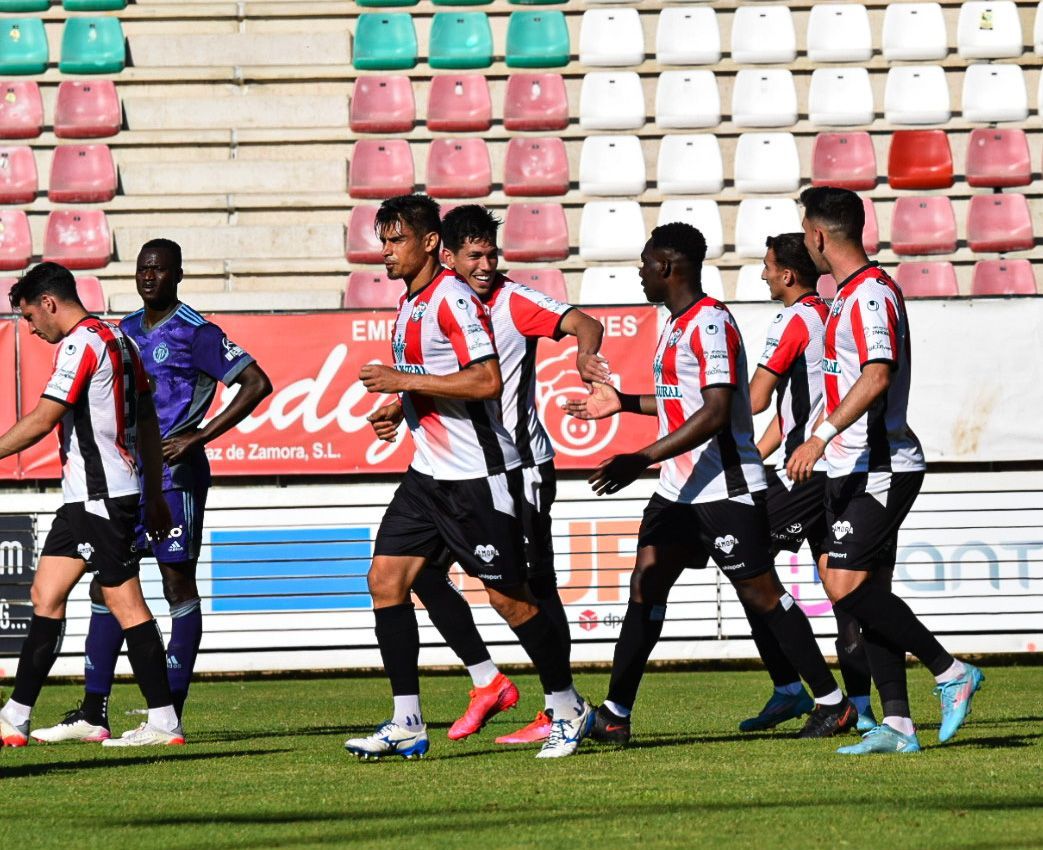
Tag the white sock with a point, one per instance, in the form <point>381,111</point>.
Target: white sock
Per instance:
<point>567,704</point>
<point>830,699</point>
<point>901,724</point>
<point>956,669</point>
<point>617,709</point>
<point>547,703</point>
<point>15,713</point>
<point>164,718</point>
<point>407,711</point>
<point>790,690</point>
<point>861,704</point>
<point>483,673</point>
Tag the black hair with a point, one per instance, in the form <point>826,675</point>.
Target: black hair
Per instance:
<point>168,245</point>
<point>839,211</point>
<point>45,279</point>
<point>683,239</point>
<point>791,253</point>
<point>468,222</point>
<point>417,212</point>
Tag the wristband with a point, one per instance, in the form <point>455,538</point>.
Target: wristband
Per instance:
<point>826,431</point>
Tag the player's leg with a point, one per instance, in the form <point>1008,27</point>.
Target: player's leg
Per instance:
<point>852,658</point>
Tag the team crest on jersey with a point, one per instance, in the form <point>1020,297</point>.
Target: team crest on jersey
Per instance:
<point>674,337</point>
<point>726,543</point>
<point>712,329</point>
<point>85,550</point>
<point>657,369</point>
<point>418,312</point>
<point>842,529</point>
<point>160,352</point>
<point>838,305</point>
<point>232,351</point>
<point>486,553</point>
<point>398,348</point>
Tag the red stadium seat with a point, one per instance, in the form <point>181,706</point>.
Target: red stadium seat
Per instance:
<point>535,102</point>
<point>5,288</point>
<point>363,245</point>
<point>536,167</point>
<point>21,110</point>
<point>91,294</point>
<point>18,179</point>
<point>999,223</point>
<point>459,168</point>
<point>382,104</point>
<point>548,281</point>
<point>844,160</point>
<point>923,225</point>
<point>1003,277</point>
<point>78,239</point>
<point>919,159</point>
<point>535,233</point>
<point>827,286</point>
<point>998,157</point>
<point>380,168</point>
<point>927,280</point>
<point>459,103</point>
<point>82,174</point>
<point>371,291</point>
<point>870,230</point>
<point>16,242</point>
<point>88,109</point>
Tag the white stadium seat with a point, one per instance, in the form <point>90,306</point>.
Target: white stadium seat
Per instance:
<point>767,162</point>
<point>687,100</point>
<point>711,282</point>
<point>750,286</point>
<point>914,31</point>
<point>686,36</point>
<point>611,100</point>
<point>995,93</point>
<point>763,34</point>
<point>989,30</point>
<point>611,165</point>
<point>916,94</point>
<point>611,285</point>
<point>703,214</point>
<point>764,98</point>
<point>611,37</point>
<point>840,97</point>
<point>759,218</point>
<point>1037,31</point>
<point>839,32</point>
<point>690,165</point>
<point>611,231</point>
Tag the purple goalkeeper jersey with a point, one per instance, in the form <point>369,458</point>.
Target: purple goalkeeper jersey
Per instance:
<point>185,356</point>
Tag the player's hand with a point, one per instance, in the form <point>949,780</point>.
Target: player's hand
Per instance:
<point>617,472</point>
<point>603,401</point>
<point>802,462</point>
<point>175,448</point>
<point>593,369</point>
<point>385,421</point>
<point>381,379</point>
<point>157,517</point>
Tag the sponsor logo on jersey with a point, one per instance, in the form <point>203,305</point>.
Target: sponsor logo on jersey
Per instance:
<point>795,528</point>
<point>461,303</point>
<point>486,553</point>
<point>175,547</point>
<point>161,352</point>
<point>70,349</point>
<point>398,348</point>
<point>712,329</point>
<point>668,391</point>
<point>85,550</point>
<point>831,366</point>
<point>418,312</point>
<point>873,304</point>
<point>657,369</point>
<point>726,543</point>
<point>410,368</point>
<point>842,529</point>
<point>778,318</point>
<point>232,351</point>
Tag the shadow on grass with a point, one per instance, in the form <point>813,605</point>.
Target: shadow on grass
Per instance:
<point>96,761</point>
<point>228,735</point>
<point>996,742</point>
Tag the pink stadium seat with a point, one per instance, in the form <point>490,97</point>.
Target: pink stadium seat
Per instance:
<point>82,174</point>
<point>382,104</point>
<point>535,102</point>
<point>91,294</point>
<point>927,280</point>
<point>870,230</point>
<point>548,281</point>
<point>1003,277</point>
<point>363,245</point>
<point>380,168</point>
<point>5,288</point>
<point>87,109</point>
<point>535,233</point>
<point>827,286</point>
<point>78,239</point>
<point>18,180</point>
<point>459,168</point>
<point>998,157</point>
<point>21,110</point>
<point>16,242</point>
<point>536,167</point>
<point>374,290</point>
<point>919,159</point>
<point>923,225</point>
<point>999,223</point>
<point>845,160</point>
<point>459,104</point>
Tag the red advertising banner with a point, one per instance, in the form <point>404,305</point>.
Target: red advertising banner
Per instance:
<point>35,364</point>
<point>8,398</point>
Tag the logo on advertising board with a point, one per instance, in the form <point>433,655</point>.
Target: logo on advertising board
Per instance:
<point>17,565</point>
<point>588,620</point>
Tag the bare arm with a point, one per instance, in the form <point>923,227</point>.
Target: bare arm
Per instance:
<point>150,449</point>
<point>32,427</point>
<point>771,439</point>
<point>589,334</point>
<point>761,389</point>
<point>476,382</point>
<point>605,400</point>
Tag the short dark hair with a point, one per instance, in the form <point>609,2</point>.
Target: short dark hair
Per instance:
<point>682,238</point>
<point>840,211</point>
<point>417,212</point>
<point>45,279</point>
<point>469,222</point>
<point>791,253</point>
<point>168,245</point>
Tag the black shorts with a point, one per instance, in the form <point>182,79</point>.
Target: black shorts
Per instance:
<point>797,514</point>
<point>103,536</point>
<point>477,520</point>
<point>863,532</point>
<point>540,488</point>
<point>734,534</point>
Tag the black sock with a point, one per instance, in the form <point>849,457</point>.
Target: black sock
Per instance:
<point>887,663</point>
<point>642,626</point>
<point>851,653</point>
<point>96,708</point>
<point>178,700</point>
<point>775,660</point>
<point>399,639</point>
<point>793,632</point>
<point>451,615</point>
<point>39,651</point>
<point>545,589</point>
<point>541,643</point>
<point>148,660</point>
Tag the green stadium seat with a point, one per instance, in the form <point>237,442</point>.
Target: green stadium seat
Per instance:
<point>461,2</point>
<point>535,2</point>
<point>382,3</point>
<point>385,42</point>
<point>94,5</point>
<point>461,40</point>
<point>23,46</point>
<point>92,46</point>
<point>537,40</point>
<point>24,5</point>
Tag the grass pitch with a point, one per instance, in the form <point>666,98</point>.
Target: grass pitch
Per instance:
<point>265,768</point>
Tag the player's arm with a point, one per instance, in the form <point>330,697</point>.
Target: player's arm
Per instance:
<point>771,439</point>
<point>150,449</point>
<point>605,400</point>
<point>762,387</point>
<point>33,427</point>
<point>477,381</point>
<point>589,333</point>
<point>386,419</point>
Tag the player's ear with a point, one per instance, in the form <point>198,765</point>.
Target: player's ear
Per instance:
<point>431,241</point>
<point>666,267</point>
<point>447,258</point>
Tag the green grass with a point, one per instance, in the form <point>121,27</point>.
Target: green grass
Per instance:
<point>265,768</point>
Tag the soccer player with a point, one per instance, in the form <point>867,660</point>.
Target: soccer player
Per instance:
<point>875,468</point>
<point>99,398</point>
<point>462,491</point>
<point>185,357</point>
<point>791,366</point>
<point>710,500</point>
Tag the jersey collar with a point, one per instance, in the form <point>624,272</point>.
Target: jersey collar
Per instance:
<point>855,276</point>
<point>437,279</point>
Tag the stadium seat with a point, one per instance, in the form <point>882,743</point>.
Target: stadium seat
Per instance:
<point>759,218</point>
<point>611,285</point>
<point>461,40</point>
<point>18,178</point>
<point>10,6</point>
<point>1037,31</point>
<point>93,46</point>
<point>916,94</point>
<point>78,239</point>
<point>711,282</point>
<point>384,41</point>
<point>994,93</point>
<point>927,280</point>
<point>749,286</point>
<point>611,231</point>
<point>998,158</point>
<point>91,293</point>
<point>703,215</point>
<point>537,40</point>
<point>767,162</point>
<point>5,287</point>
<point>380,168</point>
<point>523,2</point>
<point>21,110</point>
<point>827,287</point>
<point>459,168</point>
<point>764,98</point>
<point>375,4</point>
<point>87,109</point>
<point>989,30</point>
<point>999,223</point>
<point>535,102</point>
<point>371,290</point>
<point>382,104</point>
<point>363,246</point>
<point>94,5</point>
<point>549,281</point>
<point>919,159</point>
<point>923,225</point>
<point>16,242</point>
<point>611,100</point>
<point>1003,277</point>
<point>871,229</point>
<point>687,100</point>
<point>687,37</point>
<point>844,160</point>
<point>611,37</point>
<point>839,32</point>
<point>611,165</point>
<point>914,32</point>
<point>82,174</point>
<point>535,233</point>
<point>840,97</point>
<point>459,104</point>
<point>690,165</point>
<point>535,166</point>
<point>23,46</point>
<point>763,34</point>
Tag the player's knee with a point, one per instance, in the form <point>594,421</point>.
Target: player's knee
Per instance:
<point>513,610</point>
<point>97,597</point>
<point>385,587</point>
<point>758,596</point>
<point>44,603</point>
<point>178,589</point>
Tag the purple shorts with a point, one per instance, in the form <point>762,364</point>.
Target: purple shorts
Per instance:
<point>186,531</point>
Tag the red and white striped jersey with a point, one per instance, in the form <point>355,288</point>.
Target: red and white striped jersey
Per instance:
<point>868,324</point>
<point>442,329</point>
<point>701,347</point>
<point>521,317</point>
<point>98,375</point>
